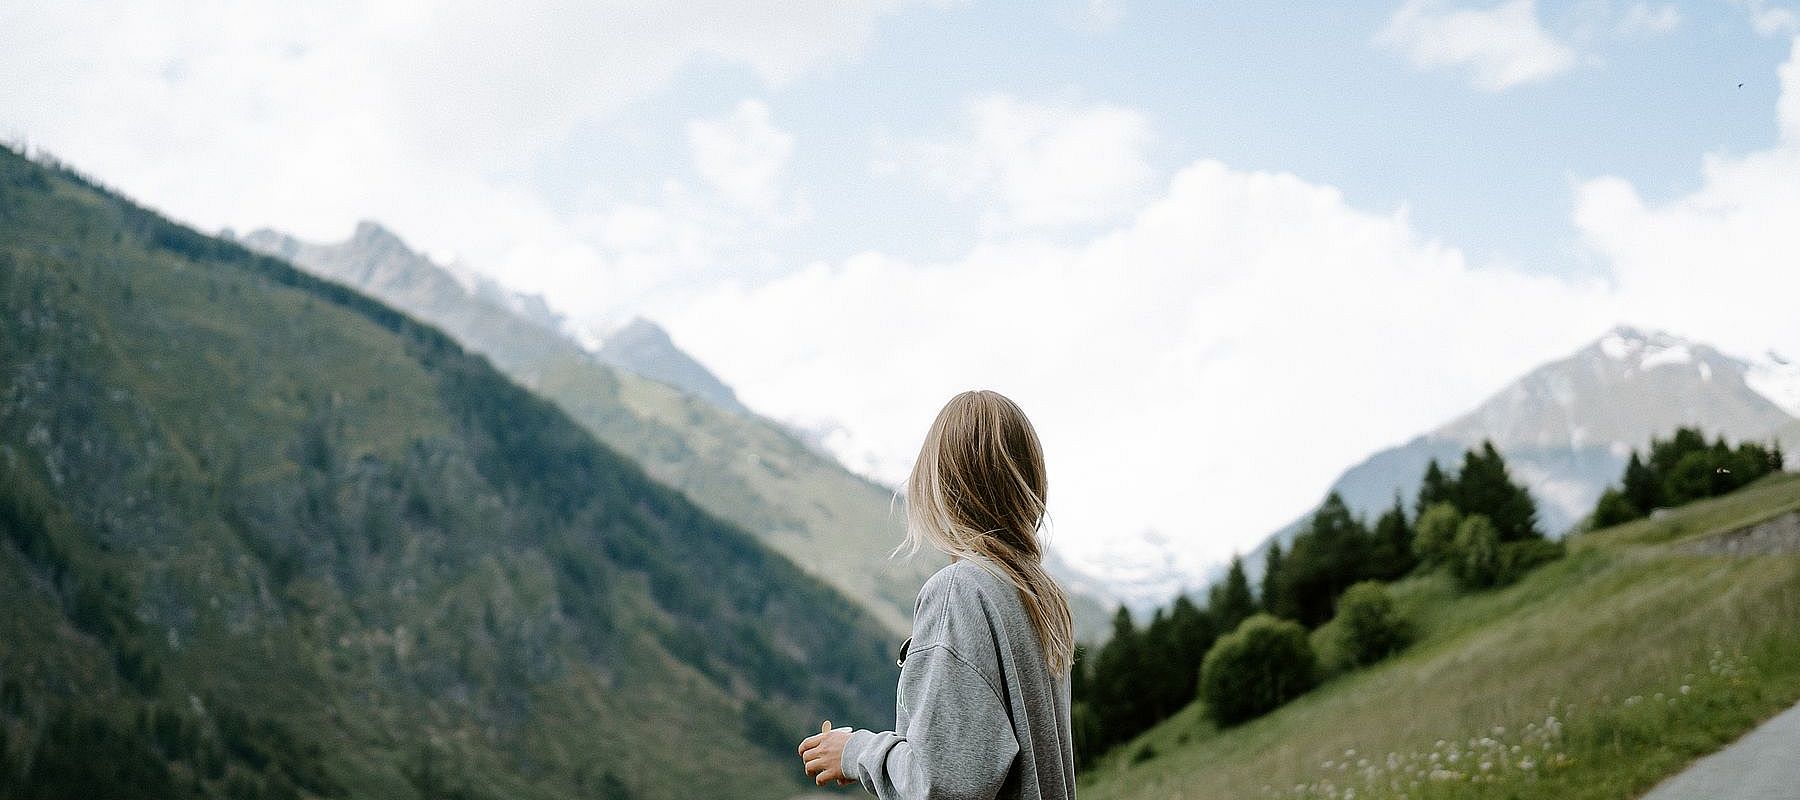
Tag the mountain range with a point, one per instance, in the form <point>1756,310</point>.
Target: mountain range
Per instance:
<point>642,395</point>
<point>264,536</point>
<point>1567,428</point>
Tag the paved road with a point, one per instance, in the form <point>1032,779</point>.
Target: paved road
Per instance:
<point>1764,765</point>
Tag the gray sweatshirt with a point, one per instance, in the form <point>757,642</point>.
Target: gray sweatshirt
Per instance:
<point>979,713</point>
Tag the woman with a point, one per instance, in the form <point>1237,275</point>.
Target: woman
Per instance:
<point>983,708</point>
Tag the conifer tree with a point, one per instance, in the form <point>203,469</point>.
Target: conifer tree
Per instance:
<point>1484,487</point>
<point>1641,486</point>
<point>1272,600</point>
<point>1435,488</point>
<point>1393,543</point>
<point>1231,602</point>
<point>1117,694</point>
<point>1334,551</point>
<point>1194,635</point>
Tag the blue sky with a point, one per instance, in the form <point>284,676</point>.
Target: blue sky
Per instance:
<point>1283,87</point>
<point>1192,239</point>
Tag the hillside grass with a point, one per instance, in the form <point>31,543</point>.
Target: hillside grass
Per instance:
<point>1581,665</point>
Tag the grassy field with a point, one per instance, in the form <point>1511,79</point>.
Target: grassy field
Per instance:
<point>1594,677</point>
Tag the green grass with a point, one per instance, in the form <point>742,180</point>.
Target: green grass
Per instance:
<point>1582,647</point>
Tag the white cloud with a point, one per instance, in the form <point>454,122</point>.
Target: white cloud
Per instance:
<point>1240,338</point>
<point>430,116</point>
<point>1724,259</point>
<point>1770,20</point>
<point>1034,165</point>
<point>1506,45</point>
<point>743,156</point>
<point>640,258</point>
<point>1642,19</point>
<point>1202,371</point>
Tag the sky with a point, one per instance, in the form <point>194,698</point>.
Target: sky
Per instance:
<point>1218,252</point>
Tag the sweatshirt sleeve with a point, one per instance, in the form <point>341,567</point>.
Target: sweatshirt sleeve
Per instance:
<point>959,741</point>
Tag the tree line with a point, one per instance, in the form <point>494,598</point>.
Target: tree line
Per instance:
<point>1681,469</point>
<point>1245,652</point>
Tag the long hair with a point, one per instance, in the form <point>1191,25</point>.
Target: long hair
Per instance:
<point>978,491</point>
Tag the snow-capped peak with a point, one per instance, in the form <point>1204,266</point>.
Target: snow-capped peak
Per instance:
<point>1645,350</point>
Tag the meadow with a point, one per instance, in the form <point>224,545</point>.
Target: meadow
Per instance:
<point>1595,676</point>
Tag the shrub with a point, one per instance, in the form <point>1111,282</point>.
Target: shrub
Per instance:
<point>1369,627</point>
<point>1475,555</point>
<point>1614,508</point>
<point>1254,669</point>
<point>1518,558</point>
<point>1436,534</point>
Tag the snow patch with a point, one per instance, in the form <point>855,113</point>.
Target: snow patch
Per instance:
<point>1618,347</point>
<point>1776,379</point>
<point>583,336</point>
<point>1663,356</point>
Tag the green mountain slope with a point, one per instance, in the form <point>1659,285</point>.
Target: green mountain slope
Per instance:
<point>263,536</point>
<point>1607,671</point>
<point>740,467</point>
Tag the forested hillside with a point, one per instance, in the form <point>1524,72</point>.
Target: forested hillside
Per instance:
<point>266,537</point>
<point>738,466</point>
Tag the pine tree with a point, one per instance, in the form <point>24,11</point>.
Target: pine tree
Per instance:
<point>1435,488</point>
<point>1272,600</point>
<point>1230,601</point>
<point>1157,674</point>
<point>1393,544</point>
<point>1194,635</point>
<point>1642,487</point>
<point>1117,694</point>
<point>1666,454</point>
<point>1484,487</point>
<point>1334,552</point>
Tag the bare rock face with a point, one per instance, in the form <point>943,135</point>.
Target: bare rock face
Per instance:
<point>1777,536</point>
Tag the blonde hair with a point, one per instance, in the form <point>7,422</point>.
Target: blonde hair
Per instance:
<point>978,491</point>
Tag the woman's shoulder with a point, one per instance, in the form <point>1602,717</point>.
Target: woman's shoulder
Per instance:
<point>964,588</point>
<point>964,577</point>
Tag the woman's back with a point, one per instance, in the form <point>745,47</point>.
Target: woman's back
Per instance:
<point>980,712</point>
<point>983,707</point>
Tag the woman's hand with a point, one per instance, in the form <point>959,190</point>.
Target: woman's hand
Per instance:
<point>823,753</point>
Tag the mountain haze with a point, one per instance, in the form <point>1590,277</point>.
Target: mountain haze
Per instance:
<point>262,536</point>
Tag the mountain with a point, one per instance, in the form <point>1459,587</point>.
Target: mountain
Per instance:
<point>835,524</point>
<point>643,347</point>
<point>264,536</point>
<point>1568,427</point>
<point>741,468</point>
